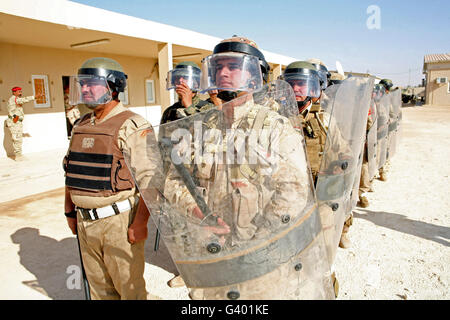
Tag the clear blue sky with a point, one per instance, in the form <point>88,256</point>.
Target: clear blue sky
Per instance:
<point>328,30</point>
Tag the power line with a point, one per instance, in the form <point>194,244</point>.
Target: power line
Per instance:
<point>405,72</point>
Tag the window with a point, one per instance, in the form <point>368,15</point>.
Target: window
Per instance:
<point>123,96</point>
<point>149,91</point>
<point>40,87</point>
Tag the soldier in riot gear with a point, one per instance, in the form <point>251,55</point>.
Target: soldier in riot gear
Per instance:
<point>383,170</point>
<point>330,143</point>
<point>185,79</point>
<point>238,211</point>
<point>324,74</point>
<point>102,204</point>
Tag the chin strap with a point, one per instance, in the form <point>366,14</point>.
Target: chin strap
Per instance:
<point>302,104</point>
<point>227,95</point>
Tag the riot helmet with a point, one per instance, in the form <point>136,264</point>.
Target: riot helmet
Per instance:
<point>236,65</point>
<point>386,83</point>
<point>324,74</point>
<point>99,80</point>
<point>304,80</point>
<point>335,78</point>
<point>185,72</point>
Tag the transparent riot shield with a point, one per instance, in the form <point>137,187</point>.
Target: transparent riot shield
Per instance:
<point>371,139</point>
<point>394,121</point>
<point>382,129</point>
<point>236,206</point>
<point>346,127</point>
<point>368,153</point>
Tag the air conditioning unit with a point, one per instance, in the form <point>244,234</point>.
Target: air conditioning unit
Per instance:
<point>441,80</point>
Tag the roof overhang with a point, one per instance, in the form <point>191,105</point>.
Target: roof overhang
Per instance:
<point>61,24</point>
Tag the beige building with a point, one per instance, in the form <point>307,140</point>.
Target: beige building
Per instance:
<point>43,42</point>
<point>436,68</point>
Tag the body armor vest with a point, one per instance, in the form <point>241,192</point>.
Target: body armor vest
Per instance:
<point>95,165</point>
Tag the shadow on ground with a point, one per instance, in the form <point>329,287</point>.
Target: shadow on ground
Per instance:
<point>49,259</point>
<point>403,224</point>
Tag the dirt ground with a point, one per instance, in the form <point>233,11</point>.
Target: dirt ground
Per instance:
<point>400,243</point>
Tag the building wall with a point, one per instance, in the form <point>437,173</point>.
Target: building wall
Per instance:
<point>46,127</point>
<point>437,94</point>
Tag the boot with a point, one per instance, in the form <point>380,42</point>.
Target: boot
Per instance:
<point>363,202</point>
<point>153,297</point>
<point>18,157</point>
<point>383,176</point>
<point>176,282</point>
<point>335,284</point>
<point>345,242</point>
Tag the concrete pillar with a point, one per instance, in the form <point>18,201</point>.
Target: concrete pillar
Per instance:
<point>165,65</point>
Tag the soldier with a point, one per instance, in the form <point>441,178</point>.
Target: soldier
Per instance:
<point>185,79</point>
<point>216,98</point>
<point>235,227</point>
<point>383,171</point>
<point>331,155</point>
<point>365,183</point>
<point>72,112</point>
<point>335,78</point>
<point>15,119</point>
<point>324,74</point>
<point>102,204</point>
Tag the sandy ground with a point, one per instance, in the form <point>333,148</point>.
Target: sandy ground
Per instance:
<point>400,243</point>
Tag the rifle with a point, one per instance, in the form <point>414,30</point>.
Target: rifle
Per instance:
<point>210,220</point>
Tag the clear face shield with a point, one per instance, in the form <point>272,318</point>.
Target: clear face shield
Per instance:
<point>323,78</point>
<point>303,85</point>
<point>89,90</point>
<point>184,74</point>
<point>231,72</point>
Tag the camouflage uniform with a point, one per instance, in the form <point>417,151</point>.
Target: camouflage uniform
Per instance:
<point>288,193</point>
<point>14,121</point>
<point>178,111</point>
<point>315,124</point>
<point>72,112</point>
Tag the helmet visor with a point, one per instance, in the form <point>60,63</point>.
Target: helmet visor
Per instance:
<point>231,72</point>
<point>187,75</point>
<point>89,89</point>
<point>323,79</point>
<point>303,85</point>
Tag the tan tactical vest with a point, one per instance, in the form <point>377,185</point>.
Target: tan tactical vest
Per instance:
<point>315,137</point>
<point>95,165</point>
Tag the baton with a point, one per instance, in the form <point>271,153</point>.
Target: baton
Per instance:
<point>87,292</point>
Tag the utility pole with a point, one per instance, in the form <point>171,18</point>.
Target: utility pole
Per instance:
<point>409,77</point>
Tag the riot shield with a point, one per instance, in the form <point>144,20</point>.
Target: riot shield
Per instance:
<point>371,138</point>
<point>394,121</point>
<point>382,129</point>
<point>341,156</point>
<point>236,207</point>
<point>368,152</point>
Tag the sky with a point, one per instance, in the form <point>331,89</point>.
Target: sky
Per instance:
<point>385,38</point>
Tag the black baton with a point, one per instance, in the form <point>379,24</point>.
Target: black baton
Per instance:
<point>87,292</point>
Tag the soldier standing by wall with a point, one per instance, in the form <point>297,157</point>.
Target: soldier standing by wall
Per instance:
<point>102,204</point>
<point>15,119</point>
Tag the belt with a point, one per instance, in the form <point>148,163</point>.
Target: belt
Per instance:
<point>104,212</point>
